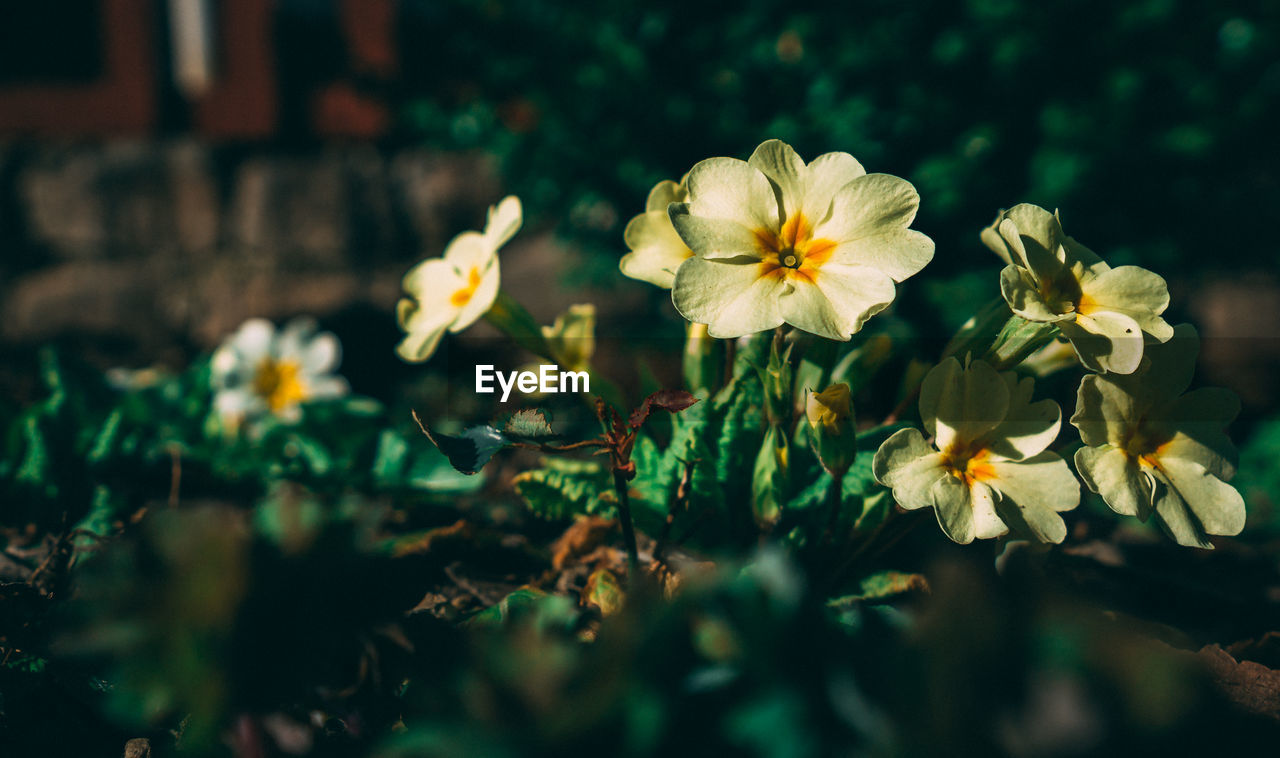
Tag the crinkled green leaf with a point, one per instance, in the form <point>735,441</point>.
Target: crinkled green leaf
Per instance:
<point>528,425</point>
<point>563,487</point>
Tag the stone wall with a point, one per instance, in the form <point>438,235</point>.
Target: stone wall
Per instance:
<point>152,244</point>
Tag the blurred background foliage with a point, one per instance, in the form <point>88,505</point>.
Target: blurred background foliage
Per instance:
<point>1148,123</point>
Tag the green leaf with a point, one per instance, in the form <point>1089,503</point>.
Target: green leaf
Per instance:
<point>770,479</point>
<point>108,437</point>
<point>529,425</point>
<point>389,459</point>
<point>543,610</point>
<point>100,520</point>
<point>35,461</point>
<point>880,587</point>
<point>469,451</point>
<point>563,487</point>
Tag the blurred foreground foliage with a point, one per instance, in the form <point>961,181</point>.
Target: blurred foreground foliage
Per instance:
<point>326,588</point>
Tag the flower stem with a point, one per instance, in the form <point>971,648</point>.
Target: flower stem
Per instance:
<point>628,529</point>
<point>512,319</point>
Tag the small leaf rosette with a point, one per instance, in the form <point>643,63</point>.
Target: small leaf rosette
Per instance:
<point>990,470</point>
<point>260,371</point>
<point>1150,449</point>
<point>1104,312</point>
<point>656,249</point>
<point>774,241</point>
<point>452,292</point>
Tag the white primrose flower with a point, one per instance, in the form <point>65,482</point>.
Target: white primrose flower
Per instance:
<point>656,249</point>
<point>988,468</point>
<point>260,371</point>
<point>453,291</point>
<point>1153,449</point>
<point>1103,311</point>
<point>774,241</point>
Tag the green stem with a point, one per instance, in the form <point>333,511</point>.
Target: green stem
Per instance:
<point>834,498</point>
<point>1018,339</point>
<point>512,319</point>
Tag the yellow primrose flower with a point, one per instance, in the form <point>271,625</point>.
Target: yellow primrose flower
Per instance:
<point>656,249</point>
<point>572,337</point>
<point>1102,311</point>
<point>260,370</point>
<point>990,469</point>
<point>817,246</point>
<point>831,427</point>
<point>452,292</point>
<point>1152,449</point>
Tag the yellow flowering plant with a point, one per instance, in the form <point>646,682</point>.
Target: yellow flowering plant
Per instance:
<point>1154,449</point>
<point>657,250</point>
<point>818,246</point>
<point>778,266</point>
<point>988,467</point>
<point>1106,313</point>
<point>261,370</point>
<point>452,292</point>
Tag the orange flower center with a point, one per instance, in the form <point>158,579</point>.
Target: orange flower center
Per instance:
<point>969,465</point>
<point>1145,447</point>
<point>279,383</point>
<point>792,252</point>
<point>464,294</point>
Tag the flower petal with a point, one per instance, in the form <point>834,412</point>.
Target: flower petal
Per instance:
<point>826,175</point>
<point>253,340</point>
<point>481,299</point>
<point>292,340</point>
<point>1136,292</point>
<point>1117,478</point>
<point>963,512</point>
<point>987,524</point>
<point>322,354</point>
<point>236,402</point>
<point>326,387</point>
<point>663,194</point>
<point>732,299</point>
<point>504,221</point>
<point>838,300</point>
<point>1105,411</point>
<point>715,238</point>
<point>731,190</point>
<point>1174,517</point>
<point>1105,341</point>
<point>868,205</point>
<point>785,169</point>
<point>656,249</point>
<point>1029,427</point>
<point>990,237</point>
<point>1036,236</point>
<point>1034,491</point>
<point>959,405</point>
<point>432,283</point>
<point>421,341</point>
<point>910,467</point>
<point>1167,367</point>
<point>1021,291</point>
<point>900,253</point>
<point>466,251</point>
<point>1218,507</point>
<point>1199,418</point>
